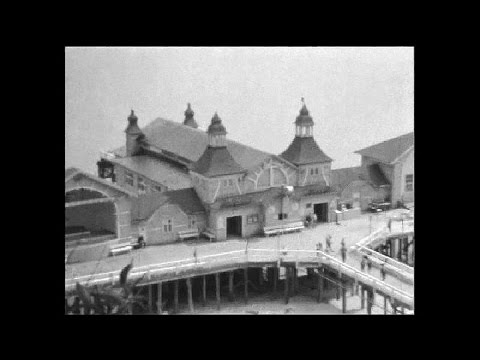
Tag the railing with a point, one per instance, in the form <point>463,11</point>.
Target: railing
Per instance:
<point>246,256</point>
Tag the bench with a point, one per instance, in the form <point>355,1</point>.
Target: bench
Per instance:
<point>120,249</point>
<point>209,234</point>
<point>186,234</point>
<point>284,228</point>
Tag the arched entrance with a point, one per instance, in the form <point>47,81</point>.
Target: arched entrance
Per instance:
<point>90,217</point>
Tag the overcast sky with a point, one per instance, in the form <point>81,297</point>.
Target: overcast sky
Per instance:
<point>357,96</point>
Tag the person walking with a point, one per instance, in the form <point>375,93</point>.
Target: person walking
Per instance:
<point>382,271</point>
<point>390,225</point>
<point>328,242</point>
<point>195,254</point>
<point>363,263</point>
<point>343,250</point>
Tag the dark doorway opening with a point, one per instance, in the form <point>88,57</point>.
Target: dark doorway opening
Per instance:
<point>234,226</point>
<point>321,210</point>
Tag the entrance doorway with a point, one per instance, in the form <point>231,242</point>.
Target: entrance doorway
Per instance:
<point>321,210</point>
<point>234,226</point>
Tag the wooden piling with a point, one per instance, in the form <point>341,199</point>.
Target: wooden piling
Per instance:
<point>275,279</point>
<point>260,276</point>
<point>292,279</point>
<point>287,280</point>
<point>320,284</point>
<point>245,277</point>
<point>175,296</point>
<point>159,298</point>
<point>344,295</point>
<point>217,286</point>
<point>231,295</point>
<point>204,290</point>
<point>369,301</point>
<point>385,305</point>
<point>339,277</point>
<point>362,297</point>
<point>190,298</point>
<point>150,299</point>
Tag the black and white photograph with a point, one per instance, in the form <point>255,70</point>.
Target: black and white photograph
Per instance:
<point>221,180</point>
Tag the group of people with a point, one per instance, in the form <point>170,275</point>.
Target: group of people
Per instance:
<point>328,248</point>
<point>366,261</point>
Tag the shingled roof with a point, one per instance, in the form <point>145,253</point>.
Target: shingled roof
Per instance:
<point>145,205</point>
<point>190,143</point>
<point>216,161</point>
<point>304,150</point>
<point>388,151</point>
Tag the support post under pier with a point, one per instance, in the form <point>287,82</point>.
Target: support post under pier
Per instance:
<point>190,298</point>
<point>217,288</point>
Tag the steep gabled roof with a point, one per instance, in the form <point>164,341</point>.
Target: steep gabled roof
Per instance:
<point>216,161</point>
<point>146,205</point>
<point>191,143</point>
<point>304,150</point>
<point>390,150</point>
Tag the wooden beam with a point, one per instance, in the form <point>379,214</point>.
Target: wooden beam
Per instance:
<point>175,296</point>
<point>245,285</point>
<point>260,276</point>
<point>190,298</point>
<point>159,298</point>
<point>384,305</point>
<point>369,301</point>
<point>231,295</point>
<point>217,285</point>
<point>339,277</point>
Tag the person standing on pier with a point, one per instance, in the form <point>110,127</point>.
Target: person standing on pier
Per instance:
<point>382,271</point>
<point>363,263</point>
<point>369,265</point>
<point>195,254</point>
<point>390,225</point>
<point>328,242</point>
<point>343,250</point>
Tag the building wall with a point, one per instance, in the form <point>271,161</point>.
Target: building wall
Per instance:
<point>218,220</point>
<point>150,185</point>
<point>360,193</point>
<point>408,167</point>
<point>313,174</point>
<point>154,228</point>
